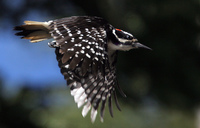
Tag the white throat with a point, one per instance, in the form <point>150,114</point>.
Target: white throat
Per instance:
<point>113,47</point>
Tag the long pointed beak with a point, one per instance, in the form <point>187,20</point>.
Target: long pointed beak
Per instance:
<point>138,45</point>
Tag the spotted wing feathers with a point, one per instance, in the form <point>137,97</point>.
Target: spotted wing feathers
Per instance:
<point>81,49</point>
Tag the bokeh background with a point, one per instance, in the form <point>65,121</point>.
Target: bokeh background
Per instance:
<point>162,86</point>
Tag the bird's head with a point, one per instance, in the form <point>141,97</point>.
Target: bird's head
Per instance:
<point>125,41</point>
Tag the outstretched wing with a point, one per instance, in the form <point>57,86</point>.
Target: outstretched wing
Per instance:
<point>81,49</point>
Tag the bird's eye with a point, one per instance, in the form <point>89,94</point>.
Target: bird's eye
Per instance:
<point>123,35</point>
<point>129,37</point>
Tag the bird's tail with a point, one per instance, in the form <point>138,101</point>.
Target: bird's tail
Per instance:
<point>33,30</point>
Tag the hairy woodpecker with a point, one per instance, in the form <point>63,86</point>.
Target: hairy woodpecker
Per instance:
<point>86,49</point>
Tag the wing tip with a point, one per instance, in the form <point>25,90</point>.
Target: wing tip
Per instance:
<point>93,115</point>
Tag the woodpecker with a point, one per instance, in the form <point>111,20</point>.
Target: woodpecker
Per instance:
<point>86,50</point>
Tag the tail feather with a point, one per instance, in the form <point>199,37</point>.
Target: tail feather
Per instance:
<point>33,30</point>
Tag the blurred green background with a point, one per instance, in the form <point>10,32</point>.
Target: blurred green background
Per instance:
<point>162,86</point>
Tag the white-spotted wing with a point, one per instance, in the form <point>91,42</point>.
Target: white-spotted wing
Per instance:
<point>82,55</point>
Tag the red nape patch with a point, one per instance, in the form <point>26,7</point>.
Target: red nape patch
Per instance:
<point>118,29</point>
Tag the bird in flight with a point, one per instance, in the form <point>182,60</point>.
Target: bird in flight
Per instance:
<point>86,50</point>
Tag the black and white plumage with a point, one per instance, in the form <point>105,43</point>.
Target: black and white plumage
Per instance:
<point>86,50</point>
